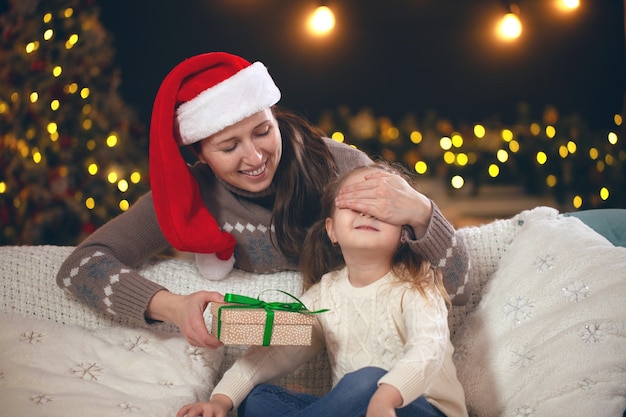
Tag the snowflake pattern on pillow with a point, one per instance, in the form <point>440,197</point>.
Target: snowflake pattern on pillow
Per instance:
<point>548,337</point>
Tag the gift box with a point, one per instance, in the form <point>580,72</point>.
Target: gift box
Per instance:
<point>260,323</point>
<point>242,320</point>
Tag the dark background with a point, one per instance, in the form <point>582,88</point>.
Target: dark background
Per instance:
<point>394,56</point>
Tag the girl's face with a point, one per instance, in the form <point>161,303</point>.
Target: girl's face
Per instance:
<point>356,231</point>
<point>246,154</point>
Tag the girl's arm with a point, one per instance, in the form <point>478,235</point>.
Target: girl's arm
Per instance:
<point>427,339</point>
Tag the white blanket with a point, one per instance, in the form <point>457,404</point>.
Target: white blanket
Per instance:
<point>49,369</point>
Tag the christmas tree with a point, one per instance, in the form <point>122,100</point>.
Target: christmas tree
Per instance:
<point>72,153</point>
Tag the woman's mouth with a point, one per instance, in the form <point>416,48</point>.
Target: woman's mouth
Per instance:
<point>256,172</point>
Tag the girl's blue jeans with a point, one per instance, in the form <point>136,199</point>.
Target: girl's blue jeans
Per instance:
<point>349,398</point>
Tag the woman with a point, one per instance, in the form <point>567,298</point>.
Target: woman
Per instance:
<point>254,192</point>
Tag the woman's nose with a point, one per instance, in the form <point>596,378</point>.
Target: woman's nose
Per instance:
<point>252,155</point>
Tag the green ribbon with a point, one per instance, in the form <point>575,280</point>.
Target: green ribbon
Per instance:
<point>242,301</point>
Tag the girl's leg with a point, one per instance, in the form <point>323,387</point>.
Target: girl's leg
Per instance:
<point>419,408</point>
<point>349,398</point>
<point>273,400</point>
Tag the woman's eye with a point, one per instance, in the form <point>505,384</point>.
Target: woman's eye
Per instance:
<point>265,131</point>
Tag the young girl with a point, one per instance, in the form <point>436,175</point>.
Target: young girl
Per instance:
<point>386,332</point>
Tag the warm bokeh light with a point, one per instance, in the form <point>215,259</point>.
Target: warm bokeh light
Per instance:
<point>509,28</point>
<point>567,5</point>
<point>322,21</point>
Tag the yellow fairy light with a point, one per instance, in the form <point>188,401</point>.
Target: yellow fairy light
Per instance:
<point>600,166</point>
<point>36,156</point>
<point>71,88</point>
<point>54,136</point>
<point>541,157</point>
<point>48,34</point>
<point>445,143</point>
<point>571,146</point>
<point>507,135</point>
<point>493,170</point>
<point>112,177</point>
<point>449,157</point>
<point>593,153</point>
<point>90,203</point>
<point>135,177</point>
<point>457,182</point>
<point>3,187</point>
<point>71,41</point>
<point>112,140</point>
<point>67,13</point>
<point>550,131</point>
<point>416,137</point>
<point>421,167</point>
<point>91,144</point>
<point>3,107</point>
<point>32,47</point>
<point>509,28</point>
<point>87,123</point>
<point>514,146</point>
<point>502,155</point>
<point>54,104</point>
<point>535,129</point>
<point>84,93</point>
<point>457,140</point>
<point>479,131</point>
<point>322,21</point>
<point>551,180</point>
<point>52,127</point>
<point>462,159</point>
<point>122,185</point>
<point>124,205</point>
<point>609,159</point>
<point>612,138</point>
<point>617,119</point>
<point>563,151</point>
<point>34,96</point>
<point>47,17</point>
<point>604,193</point>
<point>92,169</point>
<point>338,136</point>
<point>57,71</point>
<point>577,201</point>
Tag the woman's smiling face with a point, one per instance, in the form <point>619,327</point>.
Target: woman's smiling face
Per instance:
<point>245,155</point>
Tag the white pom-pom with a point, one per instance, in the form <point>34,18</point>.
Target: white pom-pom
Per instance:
<point>213,268</point>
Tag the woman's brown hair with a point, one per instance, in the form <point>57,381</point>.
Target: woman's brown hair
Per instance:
<point>320,255</point>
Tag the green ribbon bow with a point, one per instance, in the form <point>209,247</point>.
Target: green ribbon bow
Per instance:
<point>242,301</point>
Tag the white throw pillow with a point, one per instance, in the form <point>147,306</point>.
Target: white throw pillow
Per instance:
<point>549,336</point>
<point>48,369</point>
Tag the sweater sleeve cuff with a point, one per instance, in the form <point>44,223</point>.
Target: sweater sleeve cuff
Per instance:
<point>235,387</point>
<point>437,240</point>
<point>131,296</point>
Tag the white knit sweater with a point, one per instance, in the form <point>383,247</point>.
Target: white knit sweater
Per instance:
<point>387,324</point>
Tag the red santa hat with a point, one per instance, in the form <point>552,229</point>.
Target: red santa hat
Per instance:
<point>199,97</point>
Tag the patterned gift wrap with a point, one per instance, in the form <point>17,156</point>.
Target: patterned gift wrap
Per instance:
<point>247,326</point>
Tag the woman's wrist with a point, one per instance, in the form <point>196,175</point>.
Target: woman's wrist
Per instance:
<point>160,305</point>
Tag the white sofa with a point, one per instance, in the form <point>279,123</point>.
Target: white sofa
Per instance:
<point>543,335</point>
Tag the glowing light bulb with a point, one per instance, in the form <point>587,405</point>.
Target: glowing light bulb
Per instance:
<point>322,21</point>
<point>509,28</point>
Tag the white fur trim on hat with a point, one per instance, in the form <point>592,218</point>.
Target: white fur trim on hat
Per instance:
<point>247,92</point>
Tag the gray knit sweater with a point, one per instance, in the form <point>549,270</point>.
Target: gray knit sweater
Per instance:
<point>101,272</point>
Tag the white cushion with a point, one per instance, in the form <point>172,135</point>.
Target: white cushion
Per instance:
<point>51,369</point>
<point>549,336</point>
